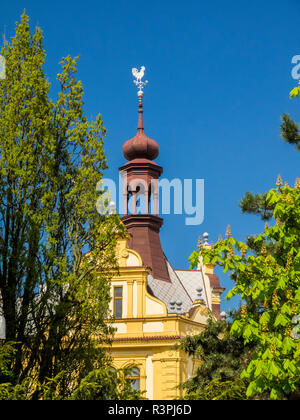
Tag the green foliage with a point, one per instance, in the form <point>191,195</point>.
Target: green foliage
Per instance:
<point>256,204</point>
<point>295,92</point>
<point>220,390</point>
<point>57,254</point>
<point>289,128</point>
<point>223,357</point>
<point>290,131</point>
<point>7,352</point>
<point>8,391</point>
<point>272,283</point>
<point>106,384</point>
<point>102,383</point>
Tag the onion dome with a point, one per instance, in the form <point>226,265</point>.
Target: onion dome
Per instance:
<point>140,146</point>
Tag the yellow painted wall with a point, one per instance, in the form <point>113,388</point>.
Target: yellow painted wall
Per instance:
<point>146,334</point>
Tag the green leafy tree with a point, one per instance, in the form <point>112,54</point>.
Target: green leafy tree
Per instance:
<point>106,384</point>
<point>6,355</point>
<point>219,390</point>
<point>102,383</point>
<point>223,357</point>
<point>289,128</point>
<point>57,253</point>
<point>290,131</point>
<point>272,283</point>
<point>295,92</point>
<point>257,203</point>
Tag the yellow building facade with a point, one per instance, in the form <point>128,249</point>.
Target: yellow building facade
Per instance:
<point>147,329</point>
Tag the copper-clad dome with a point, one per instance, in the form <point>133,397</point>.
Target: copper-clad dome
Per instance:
<point>140,146</point>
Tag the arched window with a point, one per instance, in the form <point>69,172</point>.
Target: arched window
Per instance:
<point>137,196</point>
<point>134,377</point>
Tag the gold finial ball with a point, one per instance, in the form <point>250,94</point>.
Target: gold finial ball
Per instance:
<point>140,95</point>
<point>205,236</point>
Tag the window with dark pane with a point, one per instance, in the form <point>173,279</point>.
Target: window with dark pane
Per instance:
<point>134,378</point>
<point>118,302</point>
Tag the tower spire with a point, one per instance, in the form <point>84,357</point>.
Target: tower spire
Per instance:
<point>141,181</point>
<point>140,123</point>
<point>140,84</point>
<point>140,146</point>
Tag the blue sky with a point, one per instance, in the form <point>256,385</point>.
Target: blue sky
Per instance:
<point>219,78</point>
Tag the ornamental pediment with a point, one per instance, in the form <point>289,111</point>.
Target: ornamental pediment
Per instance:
<point>127,257</point>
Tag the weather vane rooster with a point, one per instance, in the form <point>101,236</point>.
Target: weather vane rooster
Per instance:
<point>139,83</point>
